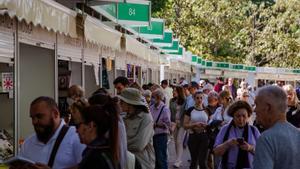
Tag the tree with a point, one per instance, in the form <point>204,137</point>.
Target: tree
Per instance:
<point>255,32</point>
<point>273,33</point>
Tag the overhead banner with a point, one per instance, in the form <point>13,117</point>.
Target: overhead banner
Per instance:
<point>222,65</point>
<point>133,12</point>
<point>250,68</point>
<point>237,67</point>
<point>167,39</point>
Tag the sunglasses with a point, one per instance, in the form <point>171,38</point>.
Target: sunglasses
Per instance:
<point>228,98</point>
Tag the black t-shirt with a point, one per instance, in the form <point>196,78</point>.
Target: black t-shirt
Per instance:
<point>293,116</point>
<point>97,159</point>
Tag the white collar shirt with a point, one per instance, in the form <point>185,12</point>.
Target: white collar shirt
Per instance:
<point>69,153</point>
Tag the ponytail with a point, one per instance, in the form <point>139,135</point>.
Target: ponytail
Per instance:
<point>113,109</point>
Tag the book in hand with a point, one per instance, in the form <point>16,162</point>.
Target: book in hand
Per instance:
<point>18,161</point>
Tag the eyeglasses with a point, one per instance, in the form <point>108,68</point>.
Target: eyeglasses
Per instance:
<point>198,98</point>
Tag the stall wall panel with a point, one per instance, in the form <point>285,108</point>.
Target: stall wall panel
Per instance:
<point>120,73</point>
<point>6,105</point>
<point>36,79</point>
<point>111,78</point>
<point>6,44</point>
<point>76,73</point>
<point>90,81</point>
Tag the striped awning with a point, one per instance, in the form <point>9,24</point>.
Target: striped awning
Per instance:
<point>46,13</point>
<point>97,32</point>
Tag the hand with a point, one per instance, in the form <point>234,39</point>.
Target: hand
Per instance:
<point>40,166</point>
<point>200,125</point>
<point>247,147</point>
<point>22,166</point>
<point>231,142</point>
<point>177,123</point>
<point>159,125</point>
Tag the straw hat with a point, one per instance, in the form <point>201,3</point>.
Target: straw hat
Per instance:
<point>132,96</point>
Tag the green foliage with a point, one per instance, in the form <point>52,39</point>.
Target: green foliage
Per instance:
<point>158,5</point>
<point>256,32</point>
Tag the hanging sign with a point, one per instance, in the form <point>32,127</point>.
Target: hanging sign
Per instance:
<point>250,68</point>
<point>173,48</point>
<point>101,2</point>
<point>237,67</point>
<point>209,63</point>
<point>179,52</point>
<point>194,58</point>
<point>167,40</point>
<point>199,60</point>
<point>133,12</point>
<point>7,82</point>
<point>155,30</point>
<point>222,65</point>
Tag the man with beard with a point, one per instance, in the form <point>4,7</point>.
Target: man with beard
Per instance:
<point>49,128</point>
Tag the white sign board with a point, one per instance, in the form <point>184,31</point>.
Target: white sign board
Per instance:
<point>7,82</point>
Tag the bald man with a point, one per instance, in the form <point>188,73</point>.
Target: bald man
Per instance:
<point>279,146</point>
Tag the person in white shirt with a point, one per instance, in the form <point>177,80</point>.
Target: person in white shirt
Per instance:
<point>48,126</point>
<point>168,92</point>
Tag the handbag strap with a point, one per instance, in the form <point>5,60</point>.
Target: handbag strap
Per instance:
<point>159,114</point>
<point>57,143</point>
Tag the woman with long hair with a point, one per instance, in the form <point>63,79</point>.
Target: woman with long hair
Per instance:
<point>195,120</point>
<point>219,119</point>
<point>101,97</point>
<point>98,129</point>
<point>139,127</point>
<point>293,113</point>
<point>221,113</point>
<point>75,110</point>
<point>177,104</point>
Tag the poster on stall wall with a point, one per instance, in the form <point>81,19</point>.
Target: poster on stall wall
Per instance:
<point>7,82</point>
<point>105,81</point>
<point>96,73</point>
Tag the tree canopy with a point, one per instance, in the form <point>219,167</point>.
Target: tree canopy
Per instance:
<point>254,32</point>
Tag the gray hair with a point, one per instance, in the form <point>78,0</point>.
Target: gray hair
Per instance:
<point>277,97</point>
<point>147,93</point>
<point>213,94</point>
<point>159,92</point>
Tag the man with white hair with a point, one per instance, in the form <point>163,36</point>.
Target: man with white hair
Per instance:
<point>278,147</point>
<point>202,83</point>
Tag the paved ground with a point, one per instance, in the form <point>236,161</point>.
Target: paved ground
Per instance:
<point>185,156</point>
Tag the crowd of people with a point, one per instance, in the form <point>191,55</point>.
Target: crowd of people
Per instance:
<point>222,125</point>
